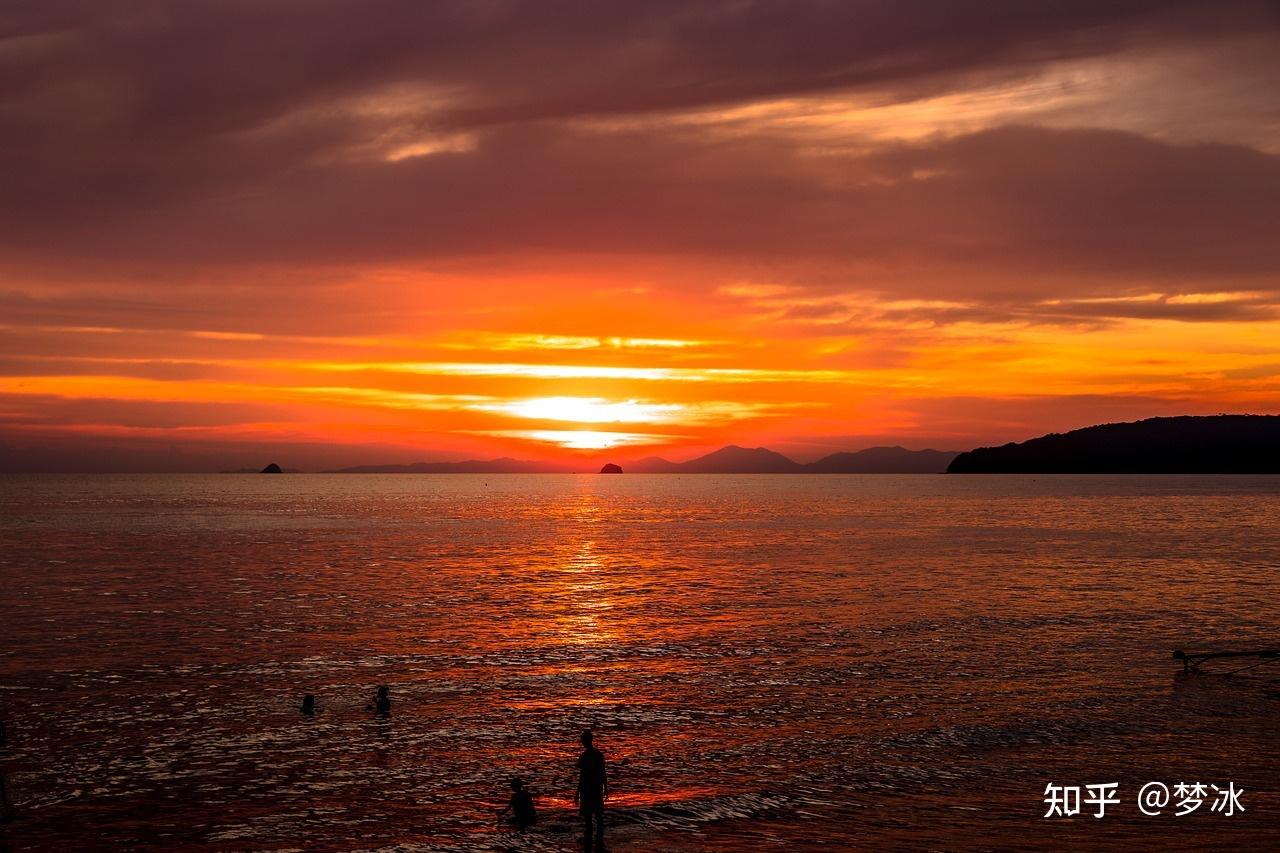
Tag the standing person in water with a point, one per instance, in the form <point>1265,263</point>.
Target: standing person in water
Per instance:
<point>7,811</point>
<point>593,789</point>
<point>381,704</point>
<point>523,814</point>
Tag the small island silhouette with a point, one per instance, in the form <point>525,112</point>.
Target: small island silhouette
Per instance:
<point>610,468</point>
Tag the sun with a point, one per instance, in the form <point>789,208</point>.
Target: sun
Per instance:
<point>586,439</point>
<point>586,410</point>
<point>579,439</point>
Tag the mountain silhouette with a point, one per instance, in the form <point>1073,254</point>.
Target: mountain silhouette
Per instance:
<point>761,460</point>
<point>884,460</point>
<point>653,465</point>
<point>1221,444</point>
<point>731,460</point>
<point>727,460</point>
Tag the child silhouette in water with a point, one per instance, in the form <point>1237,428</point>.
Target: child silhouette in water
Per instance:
<point>523,814</point>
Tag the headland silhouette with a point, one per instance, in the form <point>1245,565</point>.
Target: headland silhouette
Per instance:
<point>1221,444</point>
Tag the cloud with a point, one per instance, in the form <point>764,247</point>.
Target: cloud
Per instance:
<point>152,176</point>
<point>1011,210</point>
<point>241,132</point>
<point>192,71</point>
<point>333,213</point>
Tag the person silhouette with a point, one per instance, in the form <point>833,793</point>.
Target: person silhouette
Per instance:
<point>592,791</point>
<point>381,704</point>
<point>523,814</point>
<point>7,811</point>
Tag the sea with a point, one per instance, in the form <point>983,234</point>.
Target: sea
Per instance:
<point>774,662</point>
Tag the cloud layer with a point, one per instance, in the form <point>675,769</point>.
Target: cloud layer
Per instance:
<point>932,201</point>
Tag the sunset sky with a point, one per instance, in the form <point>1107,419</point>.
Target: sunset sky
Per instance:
<point>332,233</point>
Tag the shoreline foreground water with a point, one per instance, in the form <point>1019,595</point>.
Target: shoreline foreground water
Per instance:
<point>769,662</point>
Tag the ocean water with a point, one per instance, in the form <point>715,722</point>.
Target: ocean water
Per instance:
<point>769,662</point>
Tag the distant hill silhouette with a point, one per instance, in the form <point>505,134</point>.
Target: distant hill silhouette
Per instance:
<point>884,460</point>
<point>760,460</point>
<point>273,468</point>
<point>610,468</point>
<point>1221,444</point>
<point>472,466</point>
<point>652,465</point>
<point>726,460</point>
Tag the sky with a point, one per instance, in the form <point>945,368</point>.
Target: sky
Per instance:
<point>331,233</point>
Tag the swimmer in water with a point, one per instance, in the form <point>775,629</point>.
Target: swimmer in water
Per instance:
<point>381,704</point>
<point>523,814</point>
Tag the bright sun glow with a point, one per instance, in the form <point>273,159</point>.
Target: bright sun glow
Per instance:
<point>586,410</point>
<point>578,439</point>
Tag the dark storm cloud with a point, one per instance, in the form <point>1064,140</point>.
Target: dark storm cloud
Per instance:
<point>105,105</point>
<point>1023,211</point>
<point>187,69</point>
<point>160,136</point>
